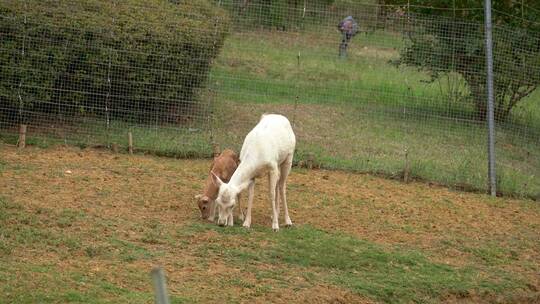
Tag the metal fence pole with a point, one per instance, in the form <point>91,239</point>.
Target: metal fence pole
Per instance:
<point>490,107</point>
<point>160,287</point>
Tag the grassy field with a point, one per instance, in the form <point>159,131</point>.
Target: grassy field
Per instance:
<point>86,226</point>
<point>363,113</point>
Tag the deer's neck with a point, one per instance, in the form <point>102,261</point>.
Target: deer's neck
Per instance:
<point>243,175</point>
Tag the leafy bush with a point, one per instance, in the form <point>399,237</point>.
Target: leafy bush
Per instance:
<point>125,59</point>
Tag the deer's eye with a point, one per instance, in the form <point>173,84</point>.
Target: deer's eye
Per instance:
<point>203,207</point>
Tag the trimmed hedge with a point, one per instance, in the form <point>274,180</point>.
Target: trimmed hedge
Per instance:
<point>124,59</point>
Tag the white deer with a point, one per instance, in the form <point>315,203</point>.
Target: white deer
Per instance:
<point>269,147</point>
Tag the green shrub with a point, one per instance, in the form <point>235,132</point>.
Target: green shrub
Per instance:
<point>98,58</point>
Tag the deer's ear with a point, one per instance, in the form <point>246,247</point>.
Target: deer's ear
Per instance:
<point>216,180</point>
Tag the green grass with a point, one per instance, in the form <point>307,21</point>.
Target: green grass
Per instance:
<point>269,67</point>
<point>42,282</point>
<point>64,287</point>
<point>272,72</point>
<point>172,141</point>
<point>362,113</point>
<point>389,275</point>
<point>358,114</point>
<point>383,274</point>
<point>77,246</point>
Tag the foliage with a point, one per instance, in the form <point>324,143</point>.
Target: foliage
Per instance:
<point>508,12</point>
<point>444,40</point>
<point>274,14</point>
<point>105,57</point>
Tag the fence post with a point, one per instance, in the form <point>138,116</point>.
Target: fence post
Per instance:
<point>490,94</point>
<point>22,137</point>
<point>160,287</point>
<point>217,150</point>
<point>130,143</point>
<point>407,169</point>
<point>310,160</point>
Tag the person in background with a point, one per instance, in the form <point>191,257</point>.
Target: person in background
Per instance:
<point>348,28</point>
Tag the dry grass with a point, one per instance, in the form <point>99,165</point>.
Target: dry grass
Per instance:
<point>102,220</point>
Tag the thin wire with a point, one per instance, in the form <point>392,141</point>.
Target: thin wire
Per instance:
<point>449,8</point>
<point>422,6</point>
<point>525,5</point>
<point>516,17</point>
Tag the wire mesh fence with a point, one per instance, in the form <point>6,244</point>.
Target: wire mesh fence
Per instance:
<point>181,77</point>
<point>91,79</point>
